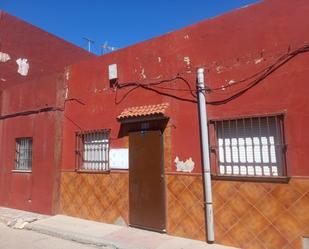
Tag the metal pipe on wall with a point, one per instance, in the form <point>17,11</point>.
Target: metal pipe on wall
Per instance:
<point>205,155</point>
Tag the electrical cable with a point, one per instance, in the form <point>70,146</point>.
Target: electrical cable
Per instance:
<point>281,58</point>
<point>151,85</point>
<point>256,78</point>
<point>266,72</point>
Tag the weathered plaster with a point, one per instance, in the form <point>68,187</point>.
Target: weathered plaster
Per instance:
<point>4,57</point>
<point>186,166</point>
<point>23,66</point>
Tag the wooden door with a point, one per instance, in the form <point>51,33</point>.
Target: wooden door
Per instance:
<point>146,180</point>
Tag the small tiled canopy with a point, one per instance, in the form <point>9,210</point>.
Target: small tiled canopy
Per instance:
<point>143,111</point>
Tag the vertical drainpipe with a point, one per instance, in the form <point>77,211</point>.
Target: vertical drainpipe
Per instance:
<point>205,155</point>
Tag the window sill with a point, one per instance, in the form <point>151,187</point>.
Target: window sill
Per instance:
<point>119,170</point>
<point>93,171</point>
<point>279,179</point>
<point>21,171</point>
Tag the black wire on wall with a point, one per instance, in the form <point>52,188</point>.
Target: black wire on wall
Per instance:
<point>254,80</point>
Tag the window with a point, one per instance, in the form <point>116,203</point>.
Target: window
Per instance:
<point>23,159</point>
<point>92,149</point>
<point>251,147</point>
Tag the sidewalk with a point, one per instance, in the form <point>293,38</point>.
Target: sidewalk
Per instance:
<point>101,234</point>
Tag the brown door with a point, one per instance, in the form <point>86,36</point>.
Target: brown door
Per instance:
<point>146,180</point>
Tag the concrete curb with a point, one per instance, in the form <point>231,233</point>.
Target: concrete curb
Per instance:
<point>97,234</point>
<point>77,237</point>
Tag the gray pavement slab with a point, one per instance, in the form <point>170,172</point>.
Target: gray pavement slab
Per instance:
<point>101,234</point>
<point>25,239</point>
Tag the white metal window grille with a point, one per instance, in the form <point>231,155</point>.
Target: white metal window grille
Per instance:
<point>23,160</point>
<point>92,150</point>
<point>251,146</point>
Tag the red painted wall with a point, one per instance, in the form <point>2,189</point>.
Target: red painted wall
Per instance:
<point>46,53</point>
<point>34,191</point>
<point>41,88</point>
<point>230,47</point>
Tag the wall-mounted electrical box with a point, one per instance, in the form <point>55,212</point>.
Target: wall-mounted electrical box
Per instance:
<point>112,72</point>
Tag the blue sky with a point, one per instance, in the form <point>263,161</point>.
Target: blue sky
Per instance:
<point>120,22</point>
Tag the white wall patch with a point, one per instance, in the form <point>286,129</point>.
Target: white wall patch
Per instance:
<point>23,66</point>
<point>186,166</point>
<point>142,74</point>
<point>186,59</point>
<point>259,60</point>
<point>66,92</point>
<point>219,69</point>
<point>4,57</point>
<point>231,82</point>
<point>119,158</point>
<point>67,73</point>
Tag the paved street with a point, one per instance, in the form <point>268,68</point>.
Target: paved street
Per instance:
<point>15,239</point>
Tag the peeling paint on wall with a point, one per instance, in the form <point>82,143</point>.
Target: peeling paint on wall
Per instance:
<point>257,61</point>
<point>186,59</point>
<point>142,74</point>
<point>186,166</point>
<point>67,73</point>
<point>23,66</point>
<point>66,93</point>
<point>4,57</point>
<point>231,82</point>
<point>159,59</point>
<point>186,37</point>
<point>158,77</point>
<point>219,69</point>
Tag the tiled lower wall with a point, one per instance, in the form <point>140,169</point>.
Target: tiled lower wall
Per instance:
<point>185,212</point>
<point>262,215</point>
<point>247,214</point>
<point>100,197</point>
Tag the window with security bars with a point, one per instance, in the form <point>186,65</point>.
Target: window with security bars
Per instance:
<point>251,146</point>
<point>23,160</point>
<point>92,150</point>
